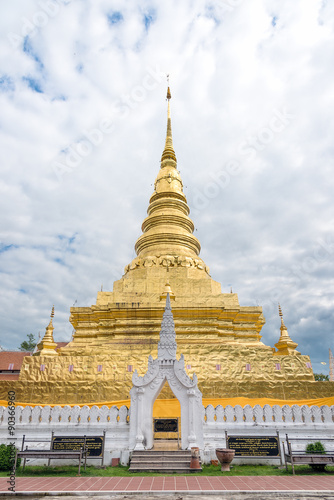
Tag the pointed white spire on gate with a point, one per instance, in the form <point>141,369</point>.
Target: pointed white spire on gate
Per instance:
<point>167,344</point>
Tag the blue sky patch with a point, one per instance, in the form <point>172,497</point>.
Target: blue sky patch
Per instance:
<point>60,261</point>
<point>274,21</point>
<point>6,84</point>
<point>6,248</point>
<point>67,242</point>
<point>28,49</point>
<point>33,84</point>
<point>149,18</point>
<point>211,14</point>
<point>115,18</point>
<point>59,98</point>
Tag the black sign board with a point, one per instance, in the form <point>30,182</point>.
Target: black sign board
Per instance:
<point>94,444</point>
<point>166,425</point>
<point>254,446</point>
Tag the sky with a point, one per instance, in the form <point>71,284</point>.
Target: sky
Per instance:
<point>82,129</point>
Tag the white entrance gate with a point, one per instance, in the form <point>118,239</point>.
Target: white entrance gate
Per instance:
<point>146,389</point>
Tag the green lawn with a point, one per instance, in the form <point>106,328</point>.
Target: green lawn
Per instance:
<point>208,470</point>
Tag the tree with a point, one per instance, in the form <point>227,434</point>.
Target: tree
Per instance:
<point>320,377</point>
<point>28,345</point>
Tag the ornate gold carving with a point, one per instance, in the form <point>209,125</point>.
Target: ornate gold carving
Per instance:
<point>167,261</point>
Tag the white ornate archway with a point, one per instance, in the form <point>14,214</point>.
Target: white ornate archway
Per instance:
<point>146,389</point>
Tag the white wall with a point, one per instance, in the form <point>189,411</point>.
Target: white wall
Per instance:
<point>38,422</point>
<point>296,421</point>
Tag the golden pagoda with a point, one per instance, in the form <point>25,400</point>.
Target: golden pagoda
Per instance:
<point>47,346</point>
<point>285,346</point>
<point>220,340</point>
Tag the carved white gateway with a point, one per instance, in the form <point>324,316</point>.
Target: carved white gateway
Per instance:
<point>146,389</point>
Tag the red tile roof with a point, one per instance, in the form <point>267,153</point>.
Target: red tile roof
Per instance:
<point>15,358</point>
<point>12,360</point>
<point>9,376</point>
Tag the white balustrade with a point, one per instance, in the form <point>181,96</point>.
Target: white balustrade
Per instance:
<point>258,416</point>
<point>45,415</point>
<point>210,414</point>
<point>316,414</point>
<point>220,414</point>
<point>293,420</point>
<point>36,415</point>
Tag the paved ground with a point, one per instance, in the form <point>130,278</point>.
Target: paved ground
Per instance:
<point>178,496</point>
<point>262,487</point>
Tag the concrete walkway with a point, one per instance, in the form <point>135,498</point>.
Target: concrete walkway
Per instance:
<point>172,484</point>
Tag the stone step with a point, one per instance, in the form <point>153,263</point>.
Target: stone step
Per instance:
<point>171,463</point>
<point>162,470</point>
<point>164,459</point>
<point>161,461</point>
<point>150,453</point>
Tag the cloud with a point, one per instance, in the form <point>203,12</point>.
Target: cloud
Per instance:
<point>252,127</point>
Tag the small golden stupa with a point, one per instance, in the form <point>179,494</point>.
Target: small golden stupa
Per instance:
<point>47,346</point>
<point>285,346</point>
<point>220,340</point>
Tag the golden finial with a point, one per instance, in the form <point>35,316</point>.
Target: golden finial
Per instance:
<point>280,313</point>
<point>168,152</point>
<point>169,95</point>
<point>52,312</point>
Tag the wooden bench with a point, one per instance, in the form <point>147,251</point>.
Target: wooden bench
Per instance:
<point>50,453</point>
<point>298,457</point>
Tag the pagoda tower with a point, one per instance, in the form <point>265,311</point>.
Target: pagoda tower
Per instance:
<point>167,252</point>
<point>220,339</point>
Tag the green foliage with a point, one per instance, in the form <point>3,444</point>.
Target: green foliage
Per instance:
<point>28,345</point>
<point>320,377</point>
<point>316,447</point>
<point>7,457</point>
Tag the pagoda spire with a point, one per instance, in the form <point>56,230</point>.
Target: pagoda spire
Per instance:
<point>167,238</point>
<point>168,153</point>
<point>167,343</point>
<point>285,346</point>
<point>47,346</point>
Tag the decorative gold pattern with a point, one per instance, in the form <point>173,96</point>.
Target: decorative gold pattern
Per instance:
<point>167,261</point>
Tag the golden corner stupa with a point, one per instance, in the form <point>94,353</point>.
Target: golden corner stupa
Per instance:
<point>220,340</point>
